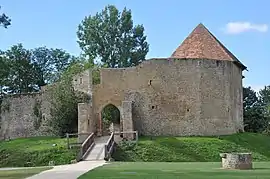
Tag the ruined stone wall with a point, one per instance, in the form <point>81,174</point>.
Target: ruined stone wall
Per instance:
<point>176,97</point>
<point>83,82</point>
<point>170,97</point>
<point>24,115</point>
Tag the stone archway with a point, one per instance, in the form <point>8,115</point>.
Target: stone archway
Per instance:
<point>110,119</point>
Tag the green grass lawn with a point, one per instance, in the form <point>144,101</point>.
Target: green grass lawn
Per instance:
<point>194,149</point>
<point>36,151</point>
<point>167,170</point>
<point>21,173</point>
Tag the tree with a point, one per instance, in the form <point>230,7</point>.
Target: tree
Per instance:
<point>50,64</point>
<point>4,20</point>
<point>264,97</point>
<point>63,108</point>
<point>254,118</point>
<point>4,72</point>
<point>22,73</point>
<point>112,37</point>
<point>64,101</point>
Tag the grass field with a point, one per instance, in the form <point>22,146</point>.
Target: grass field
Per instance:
<point>21,173</point>
<point>192,170</point>
<point>194,149</point>
<point>36,151</point>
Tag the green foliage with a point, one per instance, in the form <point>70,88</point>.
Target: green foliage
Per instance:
<point>4,72</point>
<point>111,36</point>
<point>50,64</point>
<point>38,113</point>
<point>64,101</point>
<point>64,110</point>
<point>255,119</point>
<point>193,149</point>
<point>36,151</point>
<point>96,76</point>
<point>22,74</point>
<point>110,114</point>
<point>23,70</point>
<point>4,20</point>
<point>195,170</point>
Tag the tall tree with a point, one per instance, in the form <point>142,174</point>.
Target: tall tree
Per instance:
<point>111,36</point>
<point>22,73</point>
<point>264,97</point>
<point>50,64</point>
<point>4,72</point>
<point>254,118</point>
<point>4,20</point>
<point>64,101</point>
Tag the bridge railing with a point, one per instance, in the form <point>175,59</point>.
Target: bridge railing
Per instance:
<point>84,147</point>
<point>109,147</point>
<point>87,145</point>
<point>76,139</point>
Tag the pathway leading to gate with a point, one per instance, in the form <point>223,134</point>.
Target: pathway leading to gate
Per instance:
<point>98,151</point>
<point>71,171</point>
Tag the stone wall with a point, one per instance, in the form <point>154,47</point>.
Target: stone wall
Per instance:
<point>24,115</point>
<point>179,97</point>
<point>176,97</point>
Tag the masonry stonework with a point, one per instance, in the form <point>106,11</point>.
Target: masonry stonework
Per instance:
<point>196,91</point>
<point>178,96</point>
<point>18,117</point>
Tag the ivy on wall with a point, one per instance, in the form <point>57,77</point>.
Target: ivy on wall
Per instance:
<point>38,114</point>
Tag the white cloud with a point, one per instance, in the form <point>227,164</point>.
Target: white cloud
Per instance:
<point>239,27</point>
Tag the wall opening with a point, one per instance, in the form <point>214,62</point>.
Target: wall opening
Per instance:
<point>110,116</point>
<point>43,117</point>
<point>218,62</point>
<point>80,80</point>
<point>96,76</point>
<point>150,82</point>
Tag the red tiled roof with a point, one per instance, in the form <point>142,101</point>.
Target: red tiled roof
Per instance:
<point>202,44</point>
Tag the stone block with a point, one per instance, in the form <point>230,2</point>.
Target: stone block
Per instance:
<point>242,161</point>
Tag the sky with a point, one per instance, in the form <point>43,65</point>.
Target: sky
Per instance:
<point>242,26</point>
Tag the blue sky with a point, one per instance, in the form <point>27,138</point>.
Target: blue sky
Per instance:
<point>242,26</point>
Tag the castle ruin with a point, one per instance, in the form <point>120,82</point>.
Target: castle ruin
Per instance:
<point>195,91</point>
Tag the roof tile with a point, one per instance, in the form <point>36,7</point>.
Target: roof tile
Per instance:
<point>202,44</point>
